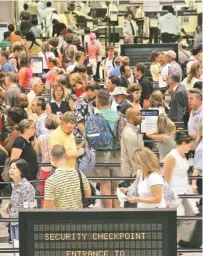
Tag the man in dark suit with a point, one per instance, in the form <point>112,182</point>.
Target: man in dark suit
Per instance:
<point>125,75</point>
<point>179,101</point>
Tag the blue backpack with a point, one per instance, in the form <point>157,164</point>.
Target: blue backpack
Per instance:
<point>98,132</point>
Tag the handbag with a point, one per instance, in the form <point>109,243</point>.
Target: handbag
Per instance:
<point>86,163</point>
<point>133,189</point>
<point>86,202</point>
<point>172,200</point>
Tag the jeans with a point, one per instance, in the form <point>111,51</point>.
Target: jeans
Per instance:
<point>14,230</point>
<point>154,32</point>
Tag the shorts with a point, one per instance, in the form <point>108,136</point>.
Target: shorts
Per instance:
<point>107,171</point>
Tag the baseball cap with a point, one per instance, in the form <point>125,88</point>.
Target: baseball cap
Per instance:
<point>171,54</point>
<point>196,90</point>
<point>119,91</point>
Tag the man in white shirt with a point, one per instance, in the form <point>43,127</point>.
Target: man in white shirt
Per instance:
<point>37,88</point>
<point>164,70</point>
<point>108,63</point>
<point>39,107</point>
<point>174,67</point>
<point>47,17</point>
<point>195,120</point>
<point>170,27</point>
<point>130,29</point>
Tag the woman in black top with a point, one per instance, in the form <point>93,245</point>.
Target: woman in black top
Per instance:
<point>58,104</point>
<point>22,147</point>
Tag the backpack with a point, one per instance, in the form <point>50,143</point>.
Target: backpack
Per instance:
<point>113,61</point>
<point>100,135</point>
<point>86,202</point>
<point>98,132</point>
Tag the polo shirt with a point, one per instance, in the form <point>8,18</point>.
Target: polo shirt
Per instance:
<point>64,188</point>
<point>58,137</point>
<point>195,122</point>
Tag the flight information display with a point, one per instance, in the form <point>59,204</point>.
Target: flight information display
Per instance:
<point>127,232</point>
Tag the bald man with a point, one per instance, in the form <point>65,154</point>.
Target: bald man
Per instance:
<point>130,141</point>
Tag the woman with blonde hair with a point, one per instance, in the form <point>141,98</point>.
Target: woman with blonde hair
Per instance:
<point>165,135</point>
<point>149,182</point>
<point>59,105</point>
<point>193,76</point>
<point>156,102</point>
<point>45,53</point>
<point>77,84</point>
<point>176,167</point>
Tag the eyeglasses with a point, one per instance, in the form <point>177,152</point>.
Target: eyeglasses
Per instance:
<point>33,128</point>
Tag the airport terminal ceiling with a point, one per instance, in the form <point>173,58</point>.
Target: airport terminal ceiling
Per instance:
<point>10,10</point>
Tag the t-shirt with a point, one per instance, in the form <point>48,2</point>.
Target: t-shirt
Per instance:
<point>144,190</point>
<point>64,188</point>
<point>147,89</point>
<point>29,155</point>
<point>111,116</point>
<point>108,65</point>
<point>6,67</point>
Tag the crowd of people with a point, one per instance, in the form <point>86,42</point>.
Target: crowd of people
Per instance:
<point>65,118</point>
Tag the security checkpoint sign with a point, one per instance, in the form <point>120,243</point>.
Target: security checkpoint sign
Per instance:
<point>125,232</point>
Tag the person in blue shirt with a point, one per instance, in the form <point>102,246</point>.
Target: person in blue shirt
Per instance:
<point>5,66</point>
<point>116,71</point>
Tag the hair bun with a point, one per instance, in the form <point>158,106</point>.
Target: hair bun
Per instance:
<point>177,135</point>
<point>16,127</point>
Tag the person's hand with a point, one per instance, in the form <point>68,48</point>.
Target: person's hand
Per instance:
<point>81,151</point>
<point>124,190</point>
<point>7,208</point>
<point>132,199</point>
<point>194,189</point>
<point>81,145</point>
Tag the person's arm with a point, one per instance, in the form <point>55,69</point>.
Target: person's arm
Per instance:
<point>155,136</point>
<point>194,182</point>
<point>146,104</point>
<point>49,195</point>
<point>155,199</point>
<point>3,149</point>
<point>86,186</point>
<point>169,164</point>
<point>71,104</point>
<point>81,127</point>
<point>16,153</point>
<point>48,109</point>
<point>182,105</point>
<point>37,147</point>
<point>22,75</point>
